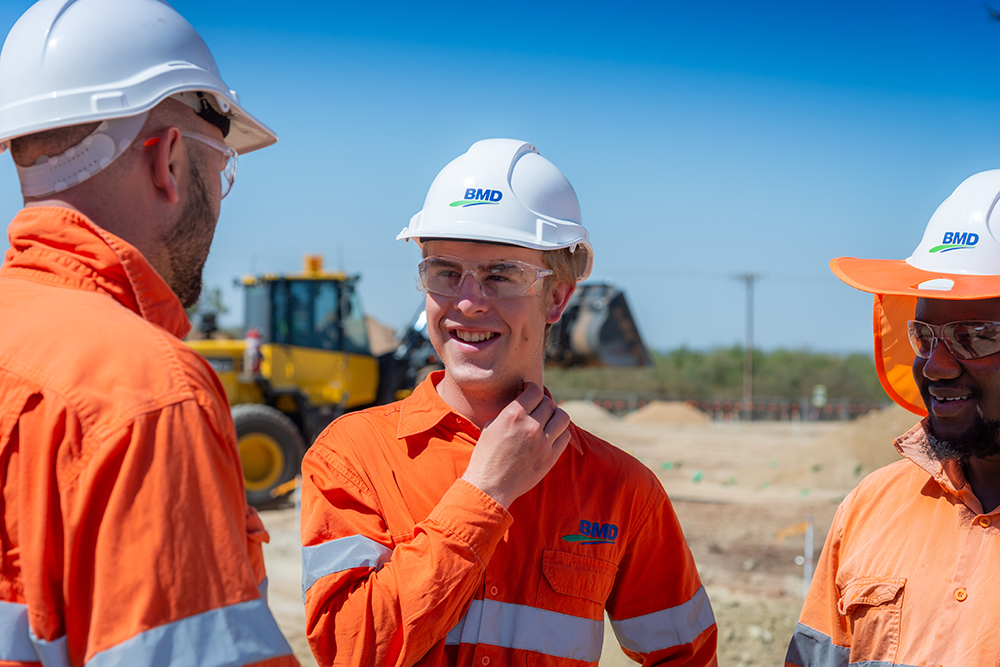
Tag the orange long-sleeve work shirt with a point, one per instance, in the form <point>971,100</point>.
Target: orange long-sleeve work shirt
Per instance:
<point>909,575</point>
<point>404,563</point>
<point>125,537</point>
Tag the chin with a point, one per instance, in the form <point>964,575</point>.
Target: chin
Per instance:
<point>980,440</point>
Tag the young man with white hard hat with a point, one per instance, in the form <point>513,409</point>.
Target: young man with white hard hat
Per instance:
<point>125,537</point>
<point>472,523</point>
<point>909,573</point>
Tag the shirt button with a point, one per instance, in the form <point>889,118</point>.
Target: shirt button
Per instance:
<point>960,594</point>
<point>985,521</point>
<point>493,591</point>
<point>485,660</point>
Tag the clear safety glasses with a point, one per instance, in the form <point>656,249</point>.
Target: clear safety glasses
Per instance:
<point>965,340</point>
<point>497,279</point>
<point>228,172</point>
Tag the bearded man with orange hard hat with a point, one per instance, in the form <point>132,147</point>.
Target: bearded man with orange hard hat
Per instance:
<point>909,572</point>
<point>125,536</point>
<point>472,523</point>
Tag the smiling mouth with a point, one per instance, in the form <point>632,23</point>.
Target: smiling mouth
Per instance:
<point>470,337</point>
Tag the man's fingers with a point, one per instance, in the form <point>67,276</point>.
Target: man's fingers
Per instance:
<point>530,397</point>
<point>557,422</point>
<point>560,444</point>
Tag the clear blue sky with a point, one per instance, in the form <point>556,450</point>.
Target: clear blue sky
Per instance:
<point>703,141</point>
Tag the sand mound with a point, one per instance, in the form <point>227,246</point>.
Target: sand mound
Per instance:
<point>869,438</point>
<point>667,412</point>
<point>582,412</point>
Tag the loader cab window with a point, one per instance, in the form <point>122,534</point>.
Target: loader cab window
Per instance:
<point>257,310</point>
<point>325,324</point>
<point>321,314</point>
<point>353,322</point>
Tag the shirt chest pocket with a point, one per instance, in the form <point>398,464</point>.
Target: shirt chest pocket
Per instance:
<point>575,584</point>
<point>873,606</point>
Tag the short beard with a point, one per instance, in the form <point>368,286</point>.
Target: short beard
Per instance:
<point>981,440</point>
<point>189,241</point>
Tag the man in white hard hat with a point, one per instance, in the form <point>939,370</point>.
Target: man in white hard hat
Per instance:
<point>472,523</point>
<point>125,537</point>
<point>909,573</point>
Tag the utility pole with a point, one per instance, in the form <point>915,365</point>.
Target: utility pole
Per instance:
<point>748,280</point>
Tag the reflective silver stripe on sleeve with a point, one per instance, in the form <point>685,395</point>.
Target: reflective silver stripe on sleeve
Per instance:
<point>812,648</point>
<point>675,626</point>
<point>51,654</point>
<point>238,634</point>
<point>338,555</point>
<point>530,629</point>
<point>16,644</point>
<point>262,589</point>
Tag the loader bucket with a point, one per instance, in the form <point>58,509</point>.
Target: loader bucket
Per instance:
<point>597,329</point>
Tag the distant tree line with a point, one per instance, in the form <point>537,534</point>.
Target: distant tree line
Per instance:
<point>686,374</point>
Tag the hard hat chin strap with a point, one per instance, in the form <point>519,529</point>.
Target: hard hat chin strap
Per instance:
<point>75,165</point>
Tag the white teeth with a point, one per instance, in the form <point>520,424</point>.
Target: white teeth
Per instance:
<point>949,400</point>
<point>473,337</point>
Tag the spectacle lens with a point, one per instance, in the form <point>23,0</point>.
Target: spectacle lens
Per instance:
<point>228,172</point>
<point>965,340</point>
<point>500,279</point>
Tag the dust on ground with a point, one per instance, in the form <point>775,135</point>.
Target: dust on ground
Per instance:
<point>736,487</point>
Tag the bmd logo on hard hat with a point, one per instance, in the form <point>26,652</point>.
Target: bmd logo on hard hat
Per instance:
<point>956,241</point>
<point>478,197</point>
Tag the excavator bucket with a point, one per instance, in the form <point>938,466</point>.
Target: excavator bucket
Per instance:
<point>596,329</point>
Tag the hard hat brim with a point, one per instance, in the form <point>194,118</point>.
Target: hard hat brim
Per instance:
<point>897,285</point>
<point>897,276</point>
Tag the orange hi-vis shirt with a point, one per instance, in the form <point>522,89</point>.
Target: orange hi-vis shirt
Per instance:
<point>909,575</point>
<point>404,563</point>
<point>125,537</point>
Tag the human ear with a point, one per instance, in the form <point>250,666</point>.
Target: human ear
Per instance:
<point>558,299</point>
<point>166,164</point>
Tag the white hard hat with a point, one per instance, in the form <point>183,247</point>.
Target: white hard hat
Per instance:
<point>503,191</point>
<point>958,258</point>
<point>67,62</point>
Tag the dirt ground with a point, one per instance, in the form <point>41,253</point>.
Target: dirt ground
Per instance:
<point>742,492</point>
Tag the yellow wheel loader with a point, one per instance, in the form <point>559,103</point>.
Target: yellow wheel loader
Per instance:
<point>307,359</point>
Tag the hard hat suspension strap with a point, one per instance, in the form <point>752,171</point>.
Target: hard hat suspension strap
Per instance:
<point>202,105</point>
<point>98,149</point>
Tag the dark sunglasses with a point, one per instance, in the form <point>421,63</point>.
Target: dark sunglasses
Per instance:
<point>965,340</point>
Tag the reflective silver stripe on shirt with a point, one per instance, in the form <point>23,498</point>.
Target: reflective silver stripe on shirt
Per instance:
<point>51,654</point>
<point>812,648</point>
<point>238,634</point>
<point>15,644</point>
<point>675,626</point>
<point>531,629</point>
<point>262,589</point>
<point>338,555</point>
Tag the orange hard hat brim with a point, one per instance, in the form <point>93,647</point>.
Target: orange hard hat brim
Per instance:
<point>897,286</point>
<point>896,276</point>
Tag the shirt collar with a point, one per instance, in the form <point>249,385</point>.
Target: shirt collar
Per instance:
<point>424,409</point>
<point>947,473</point>
<point>62,246</point>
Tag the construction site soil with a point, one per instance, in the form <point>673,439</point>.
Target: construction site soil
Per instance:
<point>743,493</point>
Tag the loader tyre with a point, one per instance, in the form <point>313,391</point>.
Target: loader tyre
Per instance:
<point>271,450</point>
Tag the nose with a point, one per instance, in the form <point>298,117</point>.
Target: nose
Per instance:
<point>470,297</point>
<point>941,364</point>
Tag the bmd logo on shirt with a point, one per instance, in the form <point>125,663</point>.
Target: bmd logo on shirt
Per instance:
<point>594,532</point>
<point>956,241</point>
<point>478,197</point>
